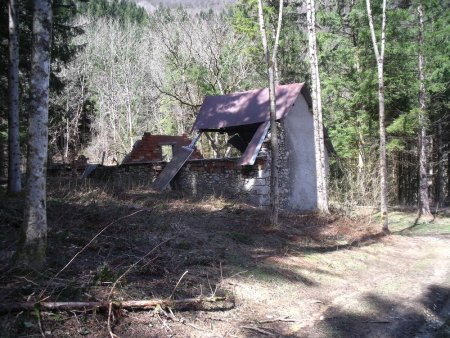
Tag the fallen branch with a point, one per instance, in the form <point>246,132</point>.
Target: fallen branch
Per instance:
<point>281,319</point>
<point>259,330</point>
<point>201,303</point>
<point>171,295</point>
<point>381,321</point>
<point>111,334</point>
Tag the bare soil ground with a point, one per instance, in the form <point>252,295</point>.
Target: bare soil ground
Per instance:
<point>311,276</point>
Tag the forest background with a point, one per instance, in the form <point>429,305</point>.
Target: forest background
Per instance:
<point>119,71</point>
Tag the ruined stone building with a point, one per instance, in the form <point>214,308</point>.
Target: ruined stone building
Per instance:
<point>245,117</point>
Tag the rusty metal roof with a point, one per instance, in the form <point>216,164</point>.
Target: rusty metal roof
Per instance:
<point>243,108</point>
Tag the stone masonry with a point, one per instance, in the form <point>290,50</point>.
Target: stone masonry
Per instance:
<point>211,177</point>
<point>200,178</point>
<point>222,177</point>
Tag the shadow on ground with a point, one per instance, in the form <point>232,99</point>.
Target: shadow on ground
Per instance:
<point>151,240</point>
<point>390,318</point>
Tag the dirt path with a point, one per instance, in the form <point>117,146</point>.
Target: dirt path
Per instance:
<point>387,289</point>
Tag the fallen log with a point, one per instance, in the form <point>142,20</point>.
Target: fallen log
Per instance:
<point>201,303</point>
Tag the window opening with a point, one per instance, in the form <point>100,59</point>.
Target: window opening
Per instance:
<point>167,152</point>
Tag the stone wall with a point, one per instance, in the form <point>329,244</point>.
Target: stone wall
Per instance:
<point>201,178</point>
<point>129,175</point>
<point>222,177</point>
<point>284,170</point>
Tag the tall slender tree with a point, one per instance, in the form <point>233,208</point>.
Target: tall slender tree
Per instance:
<point>33,244</point>
<point>14,179</point>
<point>319,144</point>
<point>271,61</point>
<point>424,204</point>
<point>379,55</point>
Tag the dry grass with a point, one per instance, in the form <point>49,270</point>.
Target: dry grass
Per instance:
<point>227,247</point>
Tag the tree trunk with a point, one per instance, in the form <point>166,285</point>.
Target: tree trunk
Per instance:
<point>361,178</point>
<point>213,145</point>
<point>448,176</point>
<point>276,75</point>
<point>379,54</point>
<point>3,156</point>
<point>383,162</point>
<point>274,189</point>
<point>424,204</point>
<point>216,142</point>
<point>31,252</point>
<point>319,144</point>
<point>14,179</point>
<point>440,182</point>
<point>67,138</point>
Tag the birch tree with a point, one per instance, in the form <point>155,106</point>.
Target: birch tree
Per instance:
<point>119,82</point>
<point>319,144</point>
<point>379,55</point>
<point>198,57</point>
<point>271,61</point>
<point>14,179</point>
<point>424,205</point>
<point>33,243</point>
